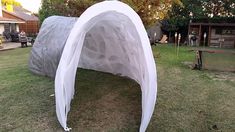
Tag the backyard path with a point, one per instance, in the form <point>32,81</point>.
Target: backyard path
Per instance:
<point>11,45</point>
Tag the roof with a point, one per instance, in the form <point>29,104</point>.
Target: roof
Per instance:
<point>213,24</point>
<point>22,14</point>
<point>7,20</point>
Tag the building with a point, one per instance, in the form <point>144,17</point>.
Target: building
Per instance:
<point>214,34</point>
<point>9,25</point>
<point>30,23</point>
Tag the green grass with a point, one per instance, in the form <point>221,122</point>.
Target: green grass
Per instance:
<point>188,100</point>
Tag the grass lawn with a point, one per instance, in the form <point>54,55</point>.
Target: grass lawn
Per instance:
<point>188,100</point>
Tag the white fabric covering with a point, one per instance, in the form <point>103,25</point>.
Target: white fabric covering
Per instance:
<point>108,37</point>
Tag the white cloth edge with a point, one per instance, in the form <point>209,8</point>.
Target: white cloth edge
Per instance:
<point>148,87</point>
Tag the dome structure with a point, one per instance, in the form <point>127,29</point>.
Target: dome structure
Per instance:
<point>109,37</point>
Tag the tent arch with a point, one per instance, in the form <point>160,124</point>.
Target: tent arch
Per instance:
<point>74,55</point>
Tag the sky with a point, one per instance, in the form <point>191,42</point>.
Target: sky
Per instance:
<point>31,5</point>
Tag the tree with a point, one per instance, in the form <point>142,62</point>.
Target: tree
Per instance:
<point>72,8</point>
<point>219,8</point>
<point>150,11</point>
<point>201,10</point>
<point>47,9</point>
<point>10,2</point>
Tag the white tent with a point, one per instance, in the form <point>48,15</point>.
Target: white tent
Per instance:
<point>108,37</point>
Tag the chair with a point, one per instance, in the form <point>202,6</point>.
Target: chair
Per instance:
<point>163,40</point>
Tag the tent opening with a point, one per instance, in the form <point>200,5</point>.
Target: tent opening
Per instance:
<point>105,48</point>
<point>109,101</point>
<point>109,38</point>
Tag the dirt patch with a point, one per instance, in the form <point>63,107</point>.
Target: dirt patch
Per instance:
<point>222,76</point>
<point>188,64</point>
<point>111,112</point>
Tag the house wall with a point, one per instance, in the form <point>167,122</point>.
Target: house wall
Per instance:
<point>17,28</point>
<point>222,40</point>
<point>30,27</point>
<point>1,28</point>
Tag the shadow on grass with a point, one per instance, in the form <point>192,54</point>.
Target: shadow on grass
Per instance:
<point>104,101</point>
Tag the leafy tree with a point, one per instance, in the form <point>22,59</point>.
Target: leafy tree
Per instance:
<point>150,11</point>
<point>48,9</point>
<point>219,8</point>
<point>64,7</point>
<point>10,2</point>
<point>206,10</point>
<point>201,10</point>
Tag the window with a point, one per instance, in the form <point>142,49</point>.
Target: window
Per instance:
<point>225,31</point>
<point>7,28</point>
<point>13,27</point>
<point>218,31</point>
